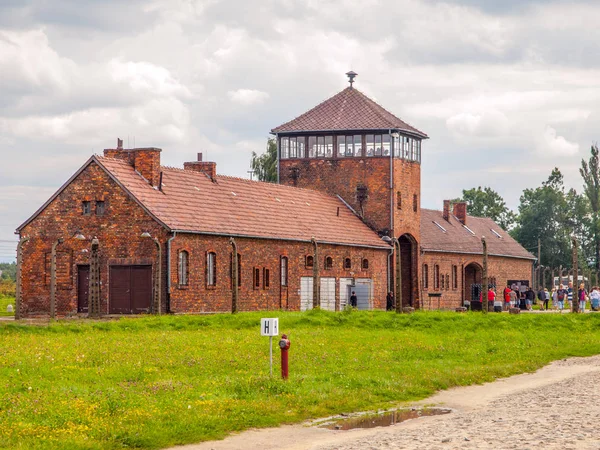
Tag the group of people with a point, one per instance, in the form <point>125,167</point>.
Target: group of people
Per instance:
<point>514,298</point>
<point>562,297</point>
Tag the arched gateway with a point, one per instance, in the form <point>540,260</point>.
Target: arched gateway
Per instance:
<point>408,261</point>
<point>472,285</point>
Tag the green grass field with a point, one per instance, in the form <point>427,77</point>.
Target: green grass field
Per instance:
<point>158,381</point>
<point>4,302</point>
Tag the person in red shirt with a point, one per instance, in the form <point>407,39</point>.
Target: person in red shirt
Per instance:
<point>506,292</point>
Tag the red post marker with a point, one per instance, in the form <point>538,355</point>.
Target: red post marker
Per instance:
<point>284,345</point>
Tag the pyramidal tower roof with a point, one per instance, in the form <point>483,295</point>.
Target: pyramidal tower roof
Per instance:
<point>349,109</point>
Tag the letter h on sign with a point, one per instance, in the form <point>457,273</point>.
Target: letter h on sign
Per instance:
<point>269,327</point>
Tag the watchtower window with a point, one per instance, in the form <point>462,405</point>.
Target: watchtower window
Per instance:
<point>320,146</point>
<point>386,144</point>
<point>415,203</point>
<point>312,146</point>
<point>284,147</point>
<point>349,146</point>
<point>399,200</point>
<point>292,147</point>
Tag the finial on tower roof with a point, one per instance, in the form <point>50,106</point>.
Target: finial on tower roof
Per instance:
<point>351,76</point>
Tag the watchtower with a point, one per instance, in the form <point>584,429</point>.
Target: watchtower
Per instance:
<point>351,147</point>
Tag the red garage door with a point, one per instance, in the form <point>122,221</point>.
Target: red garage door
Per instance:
<point>130,289</point>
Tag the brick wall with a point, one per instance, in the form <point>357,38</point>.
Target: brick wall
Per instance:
<point>342,177</point>
<point>198,297</point>
<point>118,231</point>
<point>500,268</point>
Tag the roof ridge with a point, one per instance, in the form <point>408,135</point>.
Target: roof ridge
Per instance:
<point>312,109</point>
<point>382,109</point>
<point>282,186</point>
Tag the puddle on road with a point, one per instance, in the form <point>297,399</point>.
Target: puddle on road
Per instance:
<point>383,419</point>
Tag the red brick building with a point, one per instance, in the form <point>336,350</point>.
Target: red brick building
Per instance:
<point>126,235</point>
<point>285,238</point>
<point>451,258</point>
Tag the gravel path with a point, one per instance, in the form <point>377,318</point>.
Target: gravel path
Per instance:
<point>558,407</point>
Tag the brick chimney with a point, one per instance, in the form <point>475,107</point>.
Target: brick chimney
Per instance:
<point>460,211</point>
<point>146,161</point>
<point>446,212</point>
<point>207,167</point>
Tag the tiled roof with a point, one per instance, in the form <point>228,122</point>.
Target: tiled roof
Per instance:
<point>347,110</point>
<point>191,201</point>
<point>458,239</point>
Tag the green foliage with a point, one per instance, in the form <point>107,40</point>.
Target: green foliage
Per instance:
<point>552,215</point>
<point>590,172</point>
<point>155,382</point>
<point>9,271</point>
<point>8,288</point>
<point>265,165</point>
<point>488,203</point>
<point>4,302</point>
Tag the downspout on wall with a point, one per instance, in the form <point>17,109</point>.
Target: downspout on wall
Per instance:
<point>168,305</point>
<point>234,276</point>
<point>391,183</point>
<point>277,144</point>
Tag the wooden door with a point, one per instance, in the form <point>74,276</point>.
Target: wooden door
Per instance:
<point>83,286</point>
<point>130,289</point>
<point>120,290</point>
<point>141,289</point>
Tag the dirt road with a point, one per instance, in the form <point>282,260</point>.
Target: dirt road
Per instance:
<point>558,407</point>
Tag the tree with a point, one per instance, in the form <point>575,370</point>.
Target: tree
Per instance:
<point>488,203</point>
<point>265,165</point>
<point>552,215</point>
<point>590,172</point>
<point>9,271</point>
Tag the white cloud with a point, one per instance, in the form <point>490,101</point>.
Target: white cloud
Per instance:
<point>147,78</point>
<point>488,124</point>
<point>248,97</point>
<point>27,62</point>
<point>551,143</point>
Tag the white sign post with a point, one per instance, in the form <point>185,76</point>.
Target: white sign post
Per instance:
<point>270,327</point>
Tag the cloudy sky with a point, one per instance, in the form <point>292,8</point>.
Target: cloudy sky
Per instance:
<point>506,89</point>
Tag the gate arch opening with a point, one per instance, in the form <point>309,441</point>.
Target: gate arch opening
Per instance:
<point>408,262</point>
